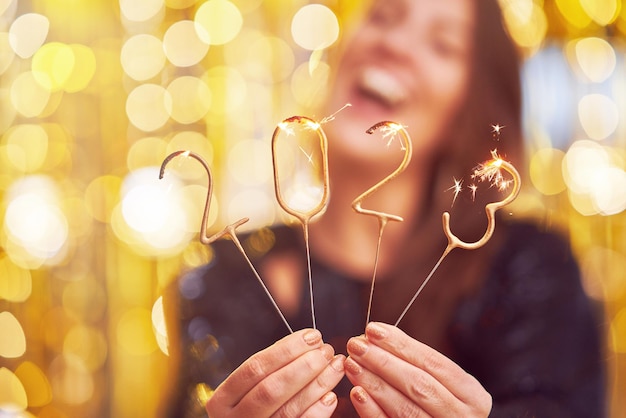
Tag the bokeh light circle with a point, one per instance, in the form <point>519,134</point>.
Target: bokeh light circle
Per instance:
<point>220,20</point>
<point>315,26</point>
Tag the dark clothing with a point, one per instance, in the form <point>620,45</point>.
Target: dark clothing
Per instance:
<point>529,335</point>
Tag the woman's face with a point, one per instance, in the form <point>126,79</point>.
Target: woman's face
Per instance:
<point>408,62</point>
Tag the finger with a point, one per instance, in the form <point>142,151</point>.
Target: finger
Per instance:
<point>376,397</point>
<point>264,363</point>
<point>314,392</point>
<point>382,370</point>
<point>460,383</point>
<point>280,386</point>
<point>323,408</point>
<point>364,405</point>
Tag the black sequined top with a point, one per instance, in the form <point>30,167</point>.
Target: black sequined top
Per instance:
<point>530,335</point>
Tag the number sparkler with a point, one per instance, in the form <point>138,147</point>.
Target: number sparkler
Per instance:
<point>489,171</point>
<point>303,215</point>
<point>229,230</point>
<point>389,129</point>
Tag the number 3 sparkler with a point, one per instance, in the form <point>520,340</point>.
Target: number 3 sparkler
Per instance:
<point>488,171</point>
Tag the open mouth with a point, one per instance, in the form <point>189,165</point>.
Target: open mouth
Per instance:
<point>382,86</point>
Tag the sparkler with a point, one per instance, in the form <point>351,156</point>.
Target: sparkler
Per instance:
<point>304,216</point>
<point>390,130</point>
<point>489,171</point>
<point>229,230</point>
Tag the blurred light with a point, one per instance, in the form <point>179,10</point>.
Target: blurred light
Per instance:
<point>603,274</point>
<point>26,147</point>
<point>140,10</point>
<point>159,327</point>
<point>134,332</point>
<point>596,184</point>
<point>261,213</point>
<point>574,13</point>
<point>183,44</point>
<point>146,152</point>
<point>308,89</point>
<point>595,58</point>
<point>148,107</point>
<point>13,341</point>
<point>602,12</point>
<point>221,21</point>
<point>545,171</point>
<point>34,219</point>
<point>153,215</point>
<point>53,64</point>
<point>28,33</point>
<point>249,162</point>
<point>101,196</point>
<point>618,332</point>
<point>197,254</point>
<point>8,7</point>
<point>87,344</point>
<point>12,394</point>
<point>180,4</point>
<point>228,89</point>
<point>598,116</point>
<point>36,385</point>
<point>142,57</point>
<point>526,22</point>
<point>6,53</point>
<point>266,59</point>
<point>7,116</point>
<point>28,96</point>
<point>146,205</point>
<point>71,381</point>
<point>84,298</point>
<point>191,99</point>
<point>16,284</point>
<point>83,70</point>
<point>314,26</point>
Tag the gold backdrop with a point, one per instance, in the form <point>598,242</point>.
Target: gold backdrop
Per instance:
<point>95,93</point>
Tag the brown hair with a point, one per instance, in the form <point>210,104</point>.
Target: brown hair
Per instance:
<point>493,98</point>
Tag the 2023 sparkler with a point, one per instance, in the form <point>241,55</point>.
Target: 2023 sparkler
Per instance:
<point>306,205</point>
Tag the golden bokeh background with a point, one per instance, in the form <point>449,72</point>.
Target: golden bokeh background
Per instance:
<point>95,93</point>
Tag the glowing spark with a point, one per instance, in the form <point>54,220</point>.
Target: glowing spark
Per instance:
<point>473,188</point>
<point>390,132</point>
<point>496,129</point>
<point>284,126</point>
<point>308,157</point>
<point>332,117</point>
<point>457,187</point>
<point>491,171</point>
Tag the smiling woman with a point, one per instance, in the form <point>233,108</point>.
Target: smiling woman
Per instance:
<point>447,74</point>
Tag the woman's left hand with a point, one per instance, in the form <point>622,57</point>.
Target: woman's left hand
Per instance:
<point>396,375</point>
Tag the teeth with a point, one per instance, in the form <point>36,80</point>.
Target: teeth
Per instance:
<point>383,85</point>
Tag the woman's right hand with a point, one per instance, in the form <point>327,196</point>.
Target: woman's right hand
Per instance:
<point>294,377</point>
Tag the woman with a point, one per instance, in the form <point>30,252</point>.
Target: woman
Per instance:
<point>504,330</point>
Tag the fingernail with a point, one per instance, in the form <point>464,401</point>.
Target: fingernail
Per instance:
<point>357,346</point>
<point>337,363</point>
<point>312,337</point>
<point>328,351</point>
<point>376,331</point>
<point>359,394</point>
<point>329,399</point>
<point>352,366</point>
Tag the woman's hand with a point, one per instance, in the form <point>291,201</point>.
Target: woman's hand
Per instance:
<point>395,375</point>
<point>292,378</point>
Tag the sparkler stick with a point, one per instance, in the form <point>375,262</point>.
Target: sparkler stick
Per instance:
<point>229,230</point>
<point>390,129</point>
<point>303,216</point>
<point>491,171</point>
